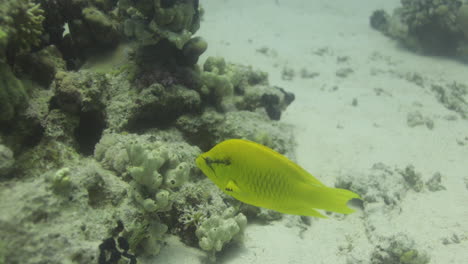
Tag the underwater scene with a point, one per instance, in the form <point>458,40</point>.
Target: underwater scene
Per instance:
<point>233,131</point>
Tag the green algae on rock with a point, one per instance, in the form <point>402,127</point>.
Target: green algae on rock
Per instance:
<point>13,95</point>
<point>21,26</point>
<point>7,160</point>
<point>175,22</point>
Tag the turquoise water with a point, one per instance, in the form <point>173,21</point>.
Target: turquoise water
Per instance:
<point>105,106</point>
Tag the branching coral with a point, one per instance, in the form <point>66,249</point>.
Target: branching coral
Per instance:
<point>192,216</point>
<point>155,167</point>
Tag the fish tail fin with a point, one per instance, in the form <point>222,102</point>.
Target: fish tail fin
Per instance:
<point>329,199</point>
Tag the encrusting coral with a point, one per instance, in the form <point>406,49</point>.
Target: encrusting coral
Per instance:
<point>100,136</point>
<point>236,87</point>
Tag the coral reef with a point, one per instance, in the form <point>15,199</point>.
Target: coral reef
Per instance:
<point>193,49</point>
<point>82,30</point>
<point>20,26</point>
<point>151,21</point>
<point>81,95</point>
<point>99,137</point>
<point>52,213</point>
<point>207,219</point>
<point>212,127</point>
<point>452,96</point>
<point>426,26</point>
<point>216,231</point>
<point>156,167</point>
<point>412,178</point>
<point>134,206</point>
<point>13,94</point>
<point>434,184</point>
<point>236,87</point>
<point>383,191</point>
<point>79,92</point>
<point>40,66</point>
<point>383,187</point>
<point>158,104</point>
<point>462,19</point>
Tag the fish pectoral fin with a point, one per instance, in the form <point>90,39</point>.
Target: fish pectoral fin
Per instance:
<point>231,187</point>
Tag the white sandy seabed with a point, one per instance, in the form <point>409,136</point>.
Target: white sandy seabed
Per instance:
<point>335,137</point>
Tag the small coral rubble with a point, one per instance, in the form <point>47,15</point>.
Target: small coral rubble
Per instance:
<point>398,249</point>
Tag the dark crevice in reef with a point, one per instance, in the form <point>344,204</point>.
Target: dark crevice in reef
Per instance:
<point>113,251</point>
<point>25,134</point>
<point>89,131</point>
<point>167,3</point>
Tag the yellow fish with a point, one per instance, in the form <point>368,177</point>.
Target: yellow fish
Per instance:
<point>260,176</point>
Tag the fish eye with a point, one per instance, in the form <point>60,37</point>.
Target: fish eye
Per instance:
<point>208,160</point>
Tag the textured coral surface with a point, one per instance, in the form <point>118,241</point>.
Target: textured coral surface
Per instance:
<point>103,110</point>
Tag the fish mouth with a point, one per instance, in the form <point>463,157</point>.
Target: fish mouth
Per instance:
<point>200,161</point>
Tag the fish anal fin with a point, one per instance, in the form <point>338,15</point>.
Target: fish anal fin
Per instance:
<point>310,212</point>
<point>304,211</point>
